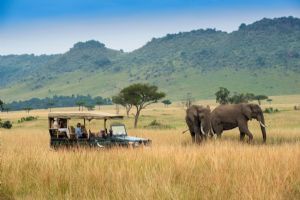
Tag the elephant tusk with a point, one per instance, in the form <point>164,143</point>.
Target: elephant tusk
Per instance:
<point>262,124</point>
<point>202,131</point>
<point>212,130</point>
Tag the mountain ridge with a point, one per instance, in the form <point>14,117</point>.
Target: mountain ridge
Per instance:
<point>177,60</point>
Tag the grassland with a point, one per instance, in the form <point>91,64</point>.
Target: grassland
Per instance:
<point>176,85</point>
<point>172,168</point>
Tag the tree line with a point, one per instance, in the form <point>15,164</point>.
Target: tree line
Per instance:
<point>56,101</point>
<point>223,96</point>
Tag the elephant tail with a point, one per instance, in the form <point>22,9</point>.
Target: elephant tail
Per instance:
<point>185,131</point>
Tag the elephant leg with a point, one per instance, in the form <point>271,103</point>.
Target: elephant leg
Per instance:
<point>217,128</point>
<point>242,136</point>
<point>193,137</point>
<point>243,127</point>
<point>197,134</point>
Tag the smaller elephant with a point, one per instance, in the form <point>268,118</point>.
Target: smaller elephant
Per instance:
<point>227,117</point>
<point>198,121</point>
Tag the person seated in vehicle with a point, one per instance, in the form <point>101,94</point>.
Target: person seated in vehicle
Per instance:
<point>84,132</point>
<point>102,133</point>
<point>62,128</point>
<point>78,131</point>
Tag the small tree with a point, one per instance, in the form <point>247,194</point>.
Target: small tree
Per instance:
<point>1,105</point>
<point>140,96</point>
<point>50,104</point>
<point>166,102</point>
<point>260,97</point>
<point>27,109</point>
<point>90,107</point>
<point>238,98</point>
<point>6,108</point>
<point>99,101</point>
<point>269,100</point>
<point>222,96</point>
<point>80,105</point>
<point>250,96</point>
<point>188,100</point>
<point>120,100</point>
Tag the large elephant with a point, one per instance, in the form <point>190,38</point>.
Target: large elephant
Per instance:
<point>226,117</point>
<point>198,120</point>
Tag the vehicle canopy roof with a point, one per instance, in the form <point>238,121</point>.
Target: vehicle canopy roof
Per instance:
<point>83,115</point>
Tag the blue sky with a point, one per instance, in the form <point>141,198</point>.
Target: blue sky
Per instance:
<point>53,26</point>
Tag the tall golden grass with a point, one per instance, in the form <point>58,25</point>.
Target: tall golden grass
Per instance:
<point>172,168</point>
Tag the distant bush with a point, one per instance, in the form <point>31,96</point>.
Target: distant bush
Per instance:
<point>271,110</point>
<point>27,119</point>
<point>157,125</point>
<point>5,124</point>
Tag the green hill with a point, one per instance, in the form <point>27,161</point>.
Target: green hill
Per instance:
<point>263,57</point>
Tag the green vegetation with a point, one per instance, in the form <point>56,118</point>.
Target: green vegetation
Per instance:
<point>271,110</point>
<point>167,102</point>
<point>139,96</point>
<point>157,125</point>
<point>1,105</point>
<point>58,101</point>
<point>120,99</point>
<point>223,97</point>
<point>5,124</point>
<point>262,58</point>
<point>27,119</point>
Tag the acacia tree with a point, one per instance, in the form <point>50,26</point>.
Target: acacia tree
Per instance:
<point>260,97</point>
<point>120,100</point>
<point>166,102</point>
<point>140,96</point>
<point>269,100</point>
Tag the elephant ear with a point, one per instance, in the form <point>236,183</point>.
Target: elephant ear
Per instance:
<point>246,110</point>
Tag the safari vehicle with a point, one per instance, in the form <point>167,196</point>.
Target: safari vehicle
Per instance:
<point>62,133</point>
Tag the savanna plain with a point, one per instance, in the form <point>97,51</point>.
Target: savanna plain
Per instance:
<point>172,168</point>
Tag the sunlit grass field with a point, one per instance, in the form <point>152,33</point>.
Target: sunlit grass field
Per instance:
<point>173,168</point>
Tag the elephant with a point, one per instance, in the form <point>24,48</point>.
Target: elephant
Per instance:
<point>227,117</point>
<point>198,121</point>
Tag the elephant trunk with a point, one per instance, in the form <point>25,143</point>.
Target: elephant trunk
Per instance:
<point>263,128</point>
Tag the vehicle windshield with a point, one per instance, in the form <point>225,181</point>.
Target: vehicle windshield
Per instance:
<point>118,130</point>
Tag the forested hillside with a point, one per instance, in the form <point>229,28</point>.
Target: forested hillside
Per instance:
<point>263,57</point>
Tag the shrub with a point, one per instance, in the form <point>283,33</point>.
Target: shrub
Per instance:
<point>27,119</point>
<point>5,124</point>
<point>271,110</point>
<point>157,125</point>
